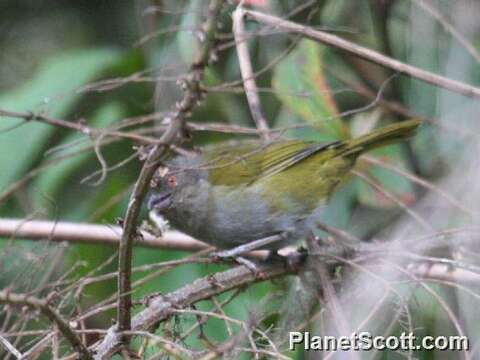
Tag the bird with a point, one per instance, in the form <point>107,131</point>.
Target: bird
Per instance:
<point>232,194</point>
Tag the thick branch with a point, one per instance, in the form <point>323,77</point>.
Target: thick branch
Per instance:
<point>365,53</point>
<point>192,95</point>
<point>161,307</point>
<point>92,234</point>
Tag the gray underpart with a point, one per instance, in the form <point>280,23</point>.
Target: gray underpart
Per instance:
<point>229,216</point>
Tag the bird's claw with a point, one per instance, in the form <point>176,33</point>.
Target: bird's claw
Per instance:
<point>292,261</point>
<point>222,255</point>
<point>227,256</point>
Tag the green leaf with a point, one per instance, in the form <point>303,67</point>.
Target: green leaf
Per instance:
<point>186,40</point>
<point>300,83</point>
<point>392,182</point>
<point>339,208</point>
<point>52,90</point>
<point>285,119</point>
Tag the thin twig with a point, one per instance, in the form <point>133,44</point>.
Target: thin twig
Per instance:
<point>428,185</point>
<point>345,237</point>
<point>429,9</point>
<point>327,291</point>
<point>42,305</point>
<point>365,53</point>
<point>160,307</point>
<point>247,72</point>
<point>36,350</point>
<point>443,304</point>
<point>393,106</point>
<point>378,187</point>
<point>77,126</point>
<point>9,347</point>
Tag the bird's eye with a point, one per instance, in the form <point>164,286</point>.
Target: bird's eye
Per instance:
<point>172,181</point>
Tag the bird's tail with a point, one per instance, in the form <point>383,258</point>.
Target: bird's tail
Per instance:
<point>384,136</point>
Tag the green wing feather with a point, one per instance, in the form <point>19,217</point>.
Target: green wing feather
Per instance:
<point>244,163</point>
<point>234,164</point>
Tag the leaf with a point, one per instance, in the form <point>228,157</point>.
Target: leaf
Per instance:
<point>300,83</point>
<point>429,146</point>
<point>339,208</point>
<point>186,40</point>
<point>285,119</point>
<point>51,90</point>
<point>392,182</point>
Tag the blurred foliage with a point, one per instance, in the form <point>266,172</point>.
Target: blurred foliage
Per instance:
<point>301,73</point>
<point>52,49</point>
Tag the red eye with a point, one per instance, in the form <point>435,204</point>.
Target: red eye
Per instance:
<point>172,181</point>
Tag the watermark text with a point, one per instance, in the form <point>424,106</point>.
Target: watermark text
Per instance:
<point>366,341</point>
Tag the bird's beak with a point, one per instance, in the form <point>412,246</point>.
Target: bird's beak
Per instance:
<point>160,201</point>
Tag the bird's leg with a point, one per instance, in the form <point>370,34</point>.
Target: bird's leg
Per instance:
<point>250,265</point>
<point>253,245</point>
<point>236,252</point>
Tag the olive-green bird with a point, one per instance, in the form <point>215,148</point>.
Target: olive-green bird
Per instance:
<point>232,194</point>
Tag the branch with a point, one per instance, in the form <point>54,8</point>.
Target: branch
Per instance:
<point>365,53</point>
<point>78,126</point>
<point>247,72</point>
<point>429,9</point>
<point>96,234</point>
<point>42,305</point>
<point>193,93</point>
<point>161,307</point>
<point>10,348</point>
<point>389,195</point>
<point>326,290</point>
<point>92,234</point>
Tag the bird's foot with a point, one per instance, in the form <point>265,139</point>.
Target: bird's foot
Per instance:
<point>291,261</point>
<point>230,253</point>
<point>249,264</point>
<point>249,246</point>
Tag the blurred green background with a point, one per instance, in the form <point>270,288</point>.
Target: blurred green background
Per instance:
<point>67,59</point>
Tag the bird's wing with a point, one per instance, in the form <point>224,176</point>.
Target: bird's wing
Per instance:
<point>232,164</point>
